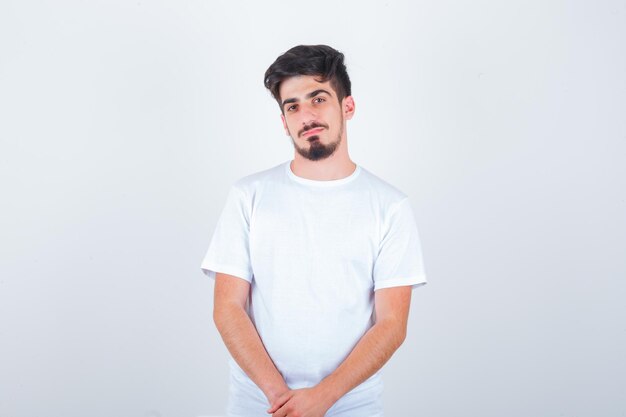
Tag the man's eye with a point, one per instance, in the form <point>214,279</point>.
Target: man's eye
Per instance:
<point>291,107</point>
<point>319,98</point>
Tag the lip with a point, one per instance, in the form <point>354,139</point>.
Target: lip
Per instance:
<point>313,131</point>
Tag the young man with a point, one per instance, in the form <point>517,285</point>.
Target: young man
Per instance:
<point>313,259</point>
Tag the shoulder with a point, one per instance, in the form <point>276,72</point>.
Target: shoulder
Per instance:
<point>387,195</point>
<point>249,185</point>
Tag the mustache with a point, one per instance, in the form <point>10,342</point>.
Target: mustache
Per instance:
<point>313,125</point>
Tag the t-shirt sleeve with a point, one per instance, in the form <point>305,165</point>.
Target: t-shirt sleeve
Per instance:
<point>229,251</point>
<point>399,261</point>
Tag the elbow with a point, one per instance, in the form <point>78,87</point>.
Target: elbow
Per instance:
<point>219,315</point>
<point>400,336</point>
<point>396,332</point>
<point>399,332</point>
<point>216,319</point>
<point>225,314</point>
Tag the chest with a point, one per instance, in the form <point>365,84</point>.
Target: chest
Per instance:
<point>337,227</point>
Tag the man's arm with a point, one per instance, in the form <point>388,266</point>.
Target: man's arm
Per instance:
<point>240,336</point>
<point>369,355</point>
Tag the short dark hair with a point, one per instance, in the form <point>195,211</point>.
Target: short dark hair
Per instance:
<point>320,60</point>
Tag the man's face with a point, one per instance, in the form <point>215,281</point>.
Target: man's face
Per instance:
<point>313,117</point>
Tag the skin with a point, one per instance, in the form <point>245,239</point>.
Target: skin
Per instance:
<point>240,335</point>
<point>323,155</point>
<point>322,158</point>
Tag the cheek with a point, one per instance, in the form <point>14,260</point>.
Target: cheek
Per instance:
<point>290,128</point>
<point>293,125</point>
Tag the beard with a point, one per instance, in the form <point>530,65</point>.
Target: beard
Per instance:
<point>316,149</point>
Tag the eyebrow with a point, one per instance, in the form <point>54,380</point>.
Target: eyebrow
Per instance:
<point>310,95</point>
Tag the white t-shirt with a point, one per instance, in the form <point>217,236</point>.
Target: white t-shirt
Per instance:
<point>314,252</point>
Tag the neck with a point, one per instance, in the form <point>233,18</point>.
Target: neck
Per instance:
<point>334,167</point>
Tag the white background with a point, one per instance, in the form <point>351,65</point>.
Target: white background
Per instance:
<point>123,123</point>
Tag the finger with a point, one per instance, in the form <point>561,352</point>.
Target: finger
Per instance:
<point>275,406</point>
<point>279,402</point>
<point>282,412</point>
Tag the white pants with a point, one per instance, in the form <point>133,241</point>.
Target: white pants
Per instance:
<point>247,400</point>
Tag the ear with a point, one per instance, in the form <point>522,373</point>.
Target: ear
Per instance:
<point>282,117</point>
<point>348,107</point>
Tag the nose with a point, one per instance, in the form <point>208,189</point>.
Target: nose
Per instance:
<point>309,114</point>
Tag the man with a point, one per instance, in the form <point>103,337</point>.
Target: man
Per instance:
<point>314,260</point>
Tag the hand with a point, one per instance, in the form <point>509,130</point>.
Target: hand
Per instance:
<point>276,393</point>
<point>305,402</point>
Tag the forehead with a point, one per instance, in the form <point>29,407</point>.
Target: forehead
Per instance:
<point>299,86</point>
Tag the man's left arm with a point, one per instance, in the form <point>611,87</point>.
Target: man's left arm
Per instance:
<point>369,355</point>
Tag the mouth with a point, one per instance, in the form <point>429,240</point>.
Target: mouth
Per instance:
<point>312,131</point>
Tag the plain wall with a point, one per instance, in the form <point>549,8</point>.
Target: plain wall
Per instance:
<point>123,123</point>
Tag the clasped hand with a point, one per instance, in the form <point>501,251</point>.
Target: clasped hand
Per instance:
<point>304,402</point>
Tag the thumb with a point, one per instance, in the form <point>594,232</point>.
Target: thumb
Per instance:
<point>273,407</point>
<point>278,402</point>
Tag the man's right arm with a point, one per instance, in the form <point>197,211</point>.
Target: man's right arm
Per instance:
<point>240,335</point>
